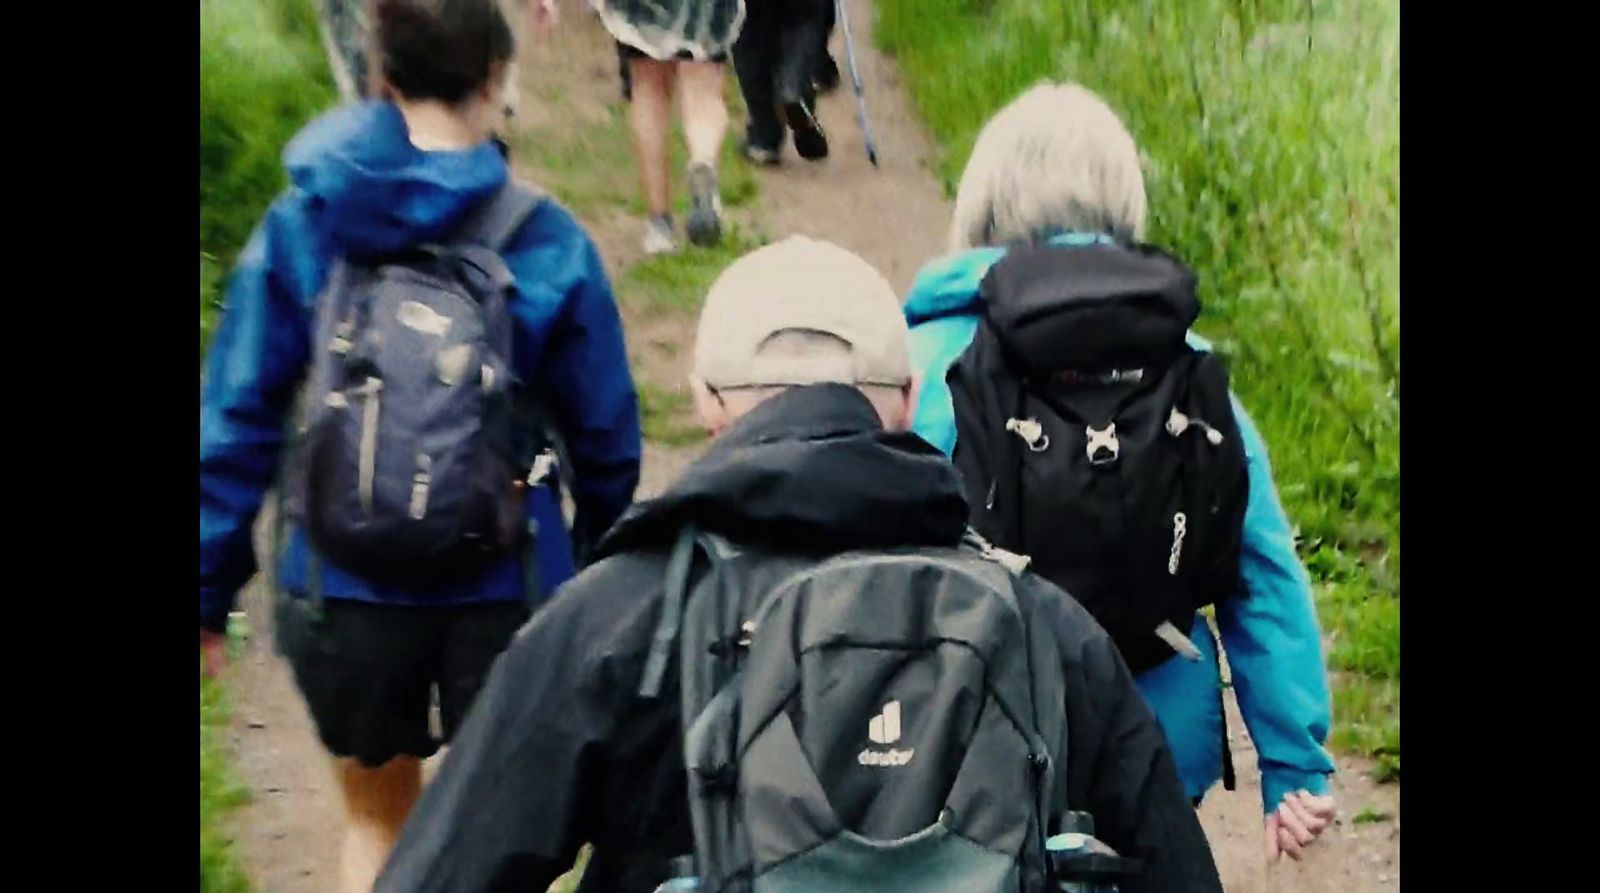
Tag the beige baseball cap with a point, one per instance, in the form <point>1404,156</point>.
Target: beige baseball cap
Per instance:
<point>800,285</point>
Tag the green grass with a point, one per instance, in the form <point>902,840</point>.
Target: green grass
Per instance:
<point>220,793</point>
<point>210,297</point>
<point>263,75</point>
<point>667,416</point>
<point>586,161</point>
<point>590,166</point>
<point>1269,132</point>
<point>677,283</point>
<point>1370,816</point>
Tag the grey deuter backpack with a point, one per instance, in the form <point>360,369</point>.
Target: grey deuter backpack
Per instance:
<point>879,721</point>
<point>410,462</point>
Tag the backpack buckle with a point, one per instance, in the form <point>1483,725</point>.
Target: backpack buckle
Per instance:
<point>1177,423</point>
<point>1031,432</point>
<point>1102,446</point>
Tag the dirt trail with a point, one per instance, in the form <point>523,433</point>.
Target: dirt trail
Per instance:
<point>895,217</point>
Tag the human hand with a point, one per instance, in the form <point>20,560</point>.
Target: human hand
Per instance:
<point>1298,821</point>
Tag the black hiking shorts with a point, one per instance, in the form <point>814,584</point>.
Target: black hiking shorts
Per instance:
<point>626,51</point>
<point>367,672</point>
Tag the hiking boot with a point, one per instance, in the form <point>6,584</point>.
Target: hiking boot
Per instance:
<point>826,78</point>
<point>658,235</point>
<point>809,140</point>
<point>705,205</point>
<point>758,154</point>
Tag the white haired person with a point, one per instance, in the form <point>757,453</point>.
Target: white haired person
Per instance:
<point>1097,434</point>
<point>869,730</point>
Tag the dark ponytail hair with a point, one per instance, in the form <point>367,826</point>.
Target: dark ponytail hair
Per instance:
<point>441,49</point>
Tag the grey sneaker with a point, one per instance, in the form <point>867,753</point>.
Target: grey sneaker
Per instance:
<point>658,235</point>
<point>705,205</point>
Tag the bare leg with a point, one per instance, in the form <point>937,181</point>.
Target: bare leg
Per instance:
<point>705,122</point>
<point>650,114</point>
<point>377,802</point>
<point>705,115</point>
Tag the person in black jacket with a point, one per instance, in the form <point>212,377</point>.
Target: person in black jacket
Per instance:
<point>802,372</point>
<point>779,60</point>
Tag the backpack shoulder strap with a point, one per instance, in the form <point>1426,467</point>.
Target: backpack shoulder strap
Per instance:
<point>665,640</point>
<point>680,567</point>
<point>493,223</point>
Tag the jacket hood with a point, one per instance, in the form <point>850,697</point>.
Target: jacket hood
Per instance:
<point>810,469</point>
<point>377,192</point>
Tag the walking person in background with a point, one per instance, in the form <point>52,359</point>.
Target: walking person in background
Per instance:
<point>1057,357</point>
<point>682,42</point>
<point>778,57</point>
<point>427,300</point>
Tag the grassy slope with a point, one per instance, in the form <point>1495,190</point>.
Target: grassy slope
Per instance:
<point>262,76</point>
<point>1270,136</point>
<point>219,794</point>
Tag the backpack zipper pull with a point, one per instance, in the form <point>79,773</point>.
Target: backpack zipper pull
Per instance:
<point>1031,432</point>
<point>341,342</point>
<point>1175,640</point>
<point>419,487</point>
<point>543,465</point>
<point>1177,423</point>
<point>1180,526</point>
<point>1011,561</point>
<point>369,441</point>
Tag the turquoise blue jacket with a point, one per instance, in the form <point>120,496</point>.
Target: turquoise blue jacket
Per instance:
<point>1271,639</point>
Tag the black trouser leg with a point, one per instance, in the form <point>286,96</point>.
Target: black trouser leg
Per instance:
<point>755,61</point>
<point>802,38</point>
<point>827,70</point>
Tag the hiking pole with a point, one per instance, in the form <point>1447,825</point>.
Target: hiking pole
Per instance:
<point>855,78</point>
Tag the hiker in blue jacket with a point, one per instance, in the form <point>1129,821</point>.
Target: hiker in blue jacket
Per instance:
<point>1057,167</point>
<point>370,181</point>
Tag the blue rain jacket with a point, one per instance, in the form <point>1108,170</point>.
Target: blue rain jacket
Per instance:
<point>359,187</point>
